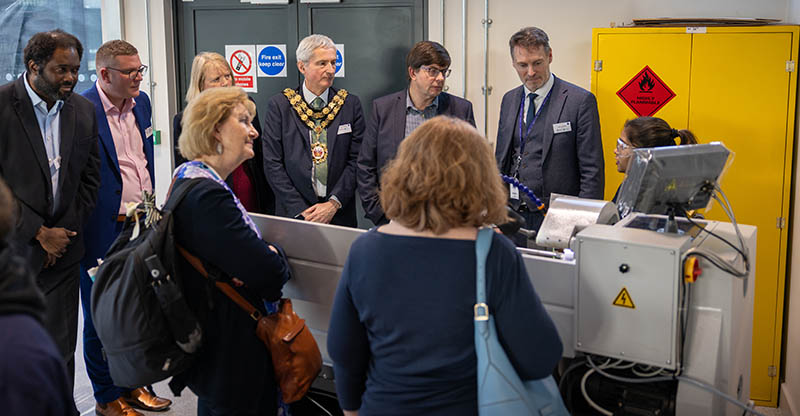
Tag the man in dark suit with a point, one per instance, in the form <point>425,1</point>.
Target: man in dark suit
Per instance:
<point>396,115</point>
<point>126,170</point>
<point>48,157</point>
<point>312,136</point>
<point>549,132</point>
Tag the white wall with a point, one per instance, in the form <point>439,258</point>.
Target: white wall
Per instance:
<point>156,50</point>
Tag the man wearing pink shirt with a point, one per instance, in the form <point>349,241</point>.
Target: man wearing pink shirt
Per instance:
<point>126,169</point>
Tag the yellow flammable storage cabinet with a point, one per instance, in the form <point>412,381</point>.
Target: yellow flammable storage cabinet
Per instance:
<point>731,84</point>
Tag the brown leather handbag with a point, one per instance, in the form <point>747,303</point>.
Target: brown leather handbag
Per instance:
<point>295,355</point>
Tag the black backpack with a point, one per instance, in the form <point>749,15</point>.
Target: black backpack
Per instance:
<point>147,330</point>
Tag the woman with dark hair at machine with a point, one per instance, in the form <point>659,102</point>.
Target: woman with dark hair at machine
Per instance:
<point>211,70</point>
<point>401,334</point>
<point>646,132</point>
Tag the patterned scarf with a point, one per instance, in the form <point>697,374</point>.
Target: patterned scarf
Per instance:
<point>197,169</point>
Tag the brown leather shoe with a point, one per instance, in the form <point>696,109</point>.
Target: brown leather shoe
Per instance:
<point>118,407</point>
<point>142,399</point>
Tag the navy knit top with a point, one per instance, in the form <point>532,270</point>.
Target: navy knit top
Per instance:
<point>401,333</point>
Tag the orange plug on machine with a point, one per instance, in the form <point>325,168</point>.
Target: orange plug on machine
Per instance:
<point>691,270</point>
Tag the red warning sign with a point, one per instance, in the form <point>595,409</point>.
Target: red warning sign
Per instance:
<point>646,93</point>
<point>241,62</point>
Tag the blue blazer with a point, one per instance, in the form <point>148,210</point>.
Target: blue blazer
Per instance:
<point>385,130</point>
<point>100,231</point>
<point>572,161</point>
<point>287,157</point>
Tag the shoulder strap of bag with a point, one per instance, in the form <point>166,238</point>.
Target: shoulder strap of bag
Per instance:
<point>482,245</point>
<point>175,198</point>
<point>224,287</point>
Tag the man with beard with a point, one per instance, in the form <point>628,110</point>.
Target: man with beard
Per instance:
<point>549,132</point>
<point>312,135</point>
<point>396,115</point>
<point>48,158</point>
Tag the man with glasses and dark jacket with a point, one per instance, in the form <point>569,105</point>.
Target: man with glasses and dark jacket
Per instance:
<point>396,115</point>
<point>126,170</point>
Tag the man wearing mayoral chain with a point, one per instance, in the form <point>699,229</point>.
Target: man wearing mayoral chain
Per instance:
<point>312,136</point>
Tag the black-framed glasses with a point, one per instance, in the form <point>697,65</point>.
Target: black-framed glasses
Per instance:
<point>434,72</point>
<point>131,73</point>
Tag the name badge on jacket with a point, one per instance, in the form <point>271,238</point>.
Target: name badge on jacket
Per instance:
<point>562,127</point>
<point>344,128</point>
<point>148,132</point>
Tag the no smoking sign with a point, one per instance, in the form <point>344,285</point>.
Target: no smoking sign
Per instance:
<point>241,59</point>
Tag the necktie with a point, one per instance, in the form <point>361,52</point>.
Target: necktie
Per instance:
<point>529,116</point>
<point>321,169</point>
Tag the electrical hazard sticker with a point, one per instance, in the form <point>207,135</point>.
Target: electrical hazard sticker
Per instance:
<point>645,93</point>
<point>624,299</point>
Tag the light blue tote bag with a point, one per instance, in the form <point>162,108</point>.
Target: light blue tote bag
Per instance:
<point>500,390</point>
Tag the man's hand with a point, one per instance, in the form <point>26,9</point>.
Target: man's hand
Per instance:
<point>49,260</point>
<point>322,212</point>
<point>54,240</point>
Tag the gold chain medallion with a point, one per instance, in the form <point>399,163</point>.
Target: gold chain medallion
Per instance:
<point>307,115</point>
<point>319,152</point>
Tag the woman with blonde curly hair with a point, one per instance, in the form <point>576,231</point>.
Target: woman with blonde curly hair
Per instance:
<point>401,332</point>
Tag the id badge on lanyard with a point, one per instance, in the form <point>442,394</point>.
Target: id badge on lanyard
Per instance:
<point>518,159</point>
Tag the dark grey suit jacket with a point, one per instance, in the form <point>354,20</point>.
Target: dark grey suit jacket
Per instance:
<point>287,157</point>
<point>385,130</point>
<point>572,161</point>
<point>24,167</point>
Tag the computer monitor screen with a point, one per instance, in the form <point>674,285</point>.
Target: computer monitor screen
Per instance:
<point>662,177</point>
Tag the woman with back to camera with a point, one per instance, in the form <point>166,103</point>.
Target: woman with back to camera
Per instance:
<point>233,374</point>
<point>210,70</point>
<point>401,334</point>
<point>646,132</point>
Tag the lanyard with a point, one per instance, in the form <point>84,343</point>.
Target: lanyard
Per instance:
<point>530,127</point>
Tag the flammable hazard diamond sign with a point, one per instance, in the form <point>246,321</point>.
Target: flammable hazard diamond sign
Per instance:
<point>645,93</point>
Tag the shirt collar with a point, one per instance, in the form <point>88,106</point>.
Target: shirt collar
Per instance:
<point>127,105</point>
<point>310,96</point>
<point>544,89</point>
<point>36,100</point>
<point>410,104</point>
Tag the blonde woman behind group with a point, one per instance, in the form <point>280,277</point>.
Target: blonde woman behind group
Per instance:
<point>401,332</point>
<point>211,70</point>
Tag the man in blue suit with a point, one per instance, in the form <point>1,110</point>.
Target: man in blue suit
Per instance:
<point>311,138</point>
<point>396,115</point>
<point>549,132</point>
<point>126,169</point>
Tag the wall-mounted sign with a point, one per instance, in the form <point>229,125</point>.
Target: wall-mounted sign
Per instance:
<point>271,60</point>
<point>645,93</point>
<point>241,58</point>
<point>339,60</point>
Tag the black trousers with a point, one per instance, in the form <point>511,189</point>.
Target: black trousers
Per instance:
<point>61,311</point>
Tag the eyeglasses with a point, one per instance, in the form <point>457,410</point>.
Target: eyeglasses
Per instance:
<point>434,72</point>
<point>131,73</point>
<point>621,145</point>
